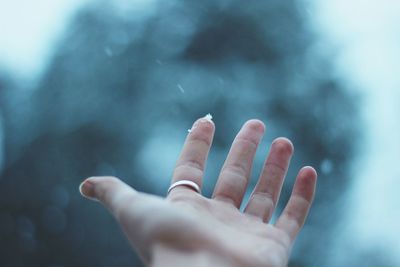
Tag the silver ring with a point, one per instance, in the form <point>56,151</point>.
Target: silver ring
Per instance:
<point>187,183</point>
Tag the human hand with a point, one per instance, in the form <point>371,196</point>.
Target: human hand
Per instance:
<point>187,228</point>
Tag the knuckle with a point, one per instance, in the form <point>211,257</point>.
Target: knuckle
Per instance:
<point>193,164</point>
<point>237,168</point>
<point>187,171</point>
<point>275,167</point>
<point>247,141</point>
<point>202,136</point>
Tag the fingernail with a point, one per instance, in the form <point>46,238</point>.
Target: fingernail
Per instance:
<point>86,188</point>
<point>206,118</point>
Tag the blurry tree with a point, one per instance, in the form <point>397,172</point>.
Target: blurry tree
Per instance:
<point>126,81</point>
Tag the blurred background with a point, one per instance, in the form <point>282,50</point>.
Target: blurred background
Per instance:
<point>111,87</point>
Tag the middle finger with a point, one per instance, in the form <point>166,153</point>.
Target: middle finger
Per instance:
<point>233,179</point>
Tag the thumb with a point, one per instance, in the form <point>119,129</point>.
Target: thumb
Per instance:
<point>110,191</point>
<point>128,206</point>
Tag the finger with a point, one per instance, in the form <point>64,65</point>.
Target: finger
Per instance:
<point>266,193</point>
<point>111,192</point>
<point>295,212</point>
<point>191,162</point>
<point>129,207</point>
<point>235,173</point>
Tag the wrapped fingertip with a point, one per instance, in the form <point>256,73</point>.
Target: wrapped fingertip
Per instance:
<point>204,123</point>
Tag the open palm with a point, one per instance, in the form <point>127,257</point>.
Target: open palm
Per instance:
<point>188,229</point>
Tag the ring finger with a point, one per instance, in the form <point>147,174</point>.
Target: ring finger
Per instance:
<point>191,162</point>
<point>266,193</point>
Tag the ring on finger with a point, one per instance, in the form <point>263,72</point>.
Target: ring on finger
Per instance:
<point>192,185</point>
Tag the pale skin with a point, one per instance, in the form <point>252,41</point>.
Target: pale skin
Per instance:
<point>188,229</point>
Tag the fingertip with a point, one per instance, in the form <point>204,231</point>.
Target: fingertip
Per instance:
<point>208,118</point>
<point>205,123</point>
<point>256,124</point>
<point>306,183</point>
<point>309,173</point>
<point>86,188</point>
<point>283,144</point>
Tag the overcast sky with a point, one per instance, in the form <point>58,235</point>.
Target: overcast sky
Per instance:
<point>28,31</point>
<point>367,36</point>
